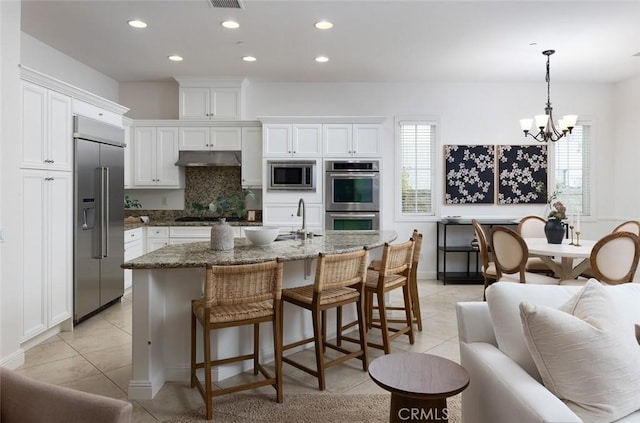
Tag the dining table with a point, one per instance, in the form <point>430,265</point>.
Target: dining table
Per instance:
<point>574,259</point>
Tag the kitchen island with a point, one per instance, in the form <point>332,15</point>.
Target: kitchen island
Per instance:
<point>166,280</point>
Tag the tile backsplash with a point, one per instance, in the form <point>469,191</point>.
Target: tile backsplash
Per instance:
<point>203,185</point>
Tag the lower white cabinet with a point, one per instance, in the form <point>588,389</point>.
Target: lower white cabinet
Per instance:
<point>157,237</point>
<point>284,216</point>
<point>133,247</point>
<point>47,268</point>
<point>186,234</point>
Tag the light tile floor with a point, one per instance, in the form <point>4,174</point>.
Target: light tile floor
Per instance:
<point>96,356</point>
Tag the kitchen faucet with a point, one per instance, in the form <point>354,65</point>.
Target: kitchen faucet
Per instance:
<point>302,212</point>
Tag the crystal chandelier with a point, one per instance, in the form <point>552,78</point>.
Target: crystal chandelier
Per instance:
<point>544,123</point>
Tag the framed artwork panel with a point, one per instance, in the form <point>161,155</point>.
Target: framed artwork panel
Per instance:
<point>522,174</point>
<point>469,174</point>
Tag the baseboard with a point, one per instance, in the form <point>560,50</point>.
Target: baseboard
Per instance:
<point>13,360</point>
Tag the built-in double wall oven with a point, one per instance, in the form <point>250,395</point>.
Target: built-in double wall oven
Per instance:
<point>352,195</point>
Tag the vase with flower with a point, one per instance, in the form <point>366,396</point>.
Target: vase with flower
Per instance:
<point>554,228</point>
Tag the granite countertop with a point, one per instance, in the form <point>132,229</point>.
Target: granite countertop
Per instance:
<point>128,226</point>
<point>199,254</point>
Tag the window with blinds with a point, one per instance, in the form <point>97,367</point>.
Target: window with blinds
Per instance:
<point>415,147</point>
<point>573,170</point>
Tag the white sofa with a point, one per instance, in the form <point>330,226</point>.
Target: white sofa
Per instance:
<point>505,385</point>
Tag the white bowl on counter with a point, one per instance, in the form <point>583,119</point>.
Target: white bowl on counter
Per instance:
<point>261,235</point>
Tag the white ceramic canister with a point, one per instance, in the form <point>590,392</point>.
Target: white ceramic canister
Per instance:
<point>222,236</point>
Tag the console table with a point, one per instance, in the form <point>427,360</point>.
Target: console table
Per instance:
<point>444,248</point>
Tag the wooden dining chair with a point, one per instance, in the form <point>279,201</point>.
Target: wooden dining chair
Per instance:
<point>533,227</point>
<point>246,294</point>
<point>489,273</point>
<point>374,266</point>
<point>632,226</point>
<point>614,259</point>
<point>339,281</point>
<point>510,254</point>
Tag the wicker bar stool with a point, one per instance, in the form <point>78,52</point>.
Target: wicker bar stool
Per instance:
<point>235,296</point>
<point>413,282</point>
<point>395,272</point>
<point>339,281</point>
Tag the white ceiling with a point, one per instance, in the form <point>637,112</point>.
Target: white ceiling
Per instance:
<point>391,40</point>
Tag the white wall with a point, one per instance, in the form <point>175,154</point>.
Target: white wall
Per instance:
<point>150,99</point>
<point>43,58</point>
<point>10,218</point>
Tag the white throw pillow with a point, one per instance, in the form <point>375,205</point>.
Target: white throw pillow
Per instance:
<point>586,354</point>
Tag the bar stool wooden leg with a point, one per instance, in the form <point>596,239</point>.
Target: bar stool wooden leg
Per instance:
<point>382,310</point>
<point>256,346</point>
<point>415,303</point>
<point>319,344</point>
<point>407,310</point>
<point>277,348</point>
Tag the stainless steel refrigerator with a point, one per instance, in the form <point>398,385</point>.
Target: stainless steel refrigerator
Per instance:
<point>98,247</point>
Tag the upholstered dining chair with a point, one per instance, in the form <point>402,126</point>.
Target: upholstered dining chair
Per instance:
<point>237,295</point>
<point>489,273</point>
<point>533,227</point>
<point>614,259</point>
<point>632,226</point>
<point>339,281</point>
<point>413,282</point>
<point>510,254</point>
<point>394,273</point>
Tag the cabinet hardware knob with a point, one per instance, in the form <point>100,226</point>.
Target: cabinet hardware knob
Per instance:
<point>99,114</point>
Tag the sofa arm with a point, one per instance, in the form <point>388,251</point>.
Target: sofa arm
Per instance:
<point>474,323</point>
<point>501,391</point>
<point>27,400</point>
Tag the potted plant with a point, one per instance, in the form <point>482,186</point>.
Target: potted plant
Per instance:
<point>554,228</point>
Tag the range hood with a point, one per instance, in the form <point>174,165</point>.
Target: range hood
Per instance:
<point>209,158</point>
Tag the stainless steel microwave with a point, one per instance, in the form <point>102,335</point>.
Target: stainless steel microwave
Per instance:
<point>292,175</point>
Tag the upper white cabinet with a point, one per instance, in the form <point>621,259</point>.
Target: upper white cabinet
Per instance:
<point>351,140</point>
<point>46,129</point>
<point>155,153</point>
<point>211,99</point>
<point>94,112</point>
<point>211,138</point>
<point>251,170</point>
<point>292,140</point>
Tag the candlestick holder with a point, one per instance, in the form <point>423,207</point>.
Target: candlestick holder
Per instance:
<point>571,232</point>
<point>577,244</point>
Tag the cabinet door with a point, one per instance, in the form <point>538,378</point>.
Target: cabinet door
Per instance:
<point>167,173</point>
<point>337,140</point>
<point>366,140</point>
<point>132,250</point>
<point>225,103</point>
<point>277,140</point>
<point>59,215</point>
<point>34,125</point>
<point>194,103</point>
<point>196,138</point>
<point>156,243</point>
<point>307,140</point>
<point>34,275</point>
<point>144,157</point>
<point>128,154</point>
<point>59,131</point>
<point>251,170</point>
<point>226,138</point>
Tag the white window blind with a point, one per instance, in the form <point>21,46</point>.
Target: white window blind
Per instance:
<point>415,156</point>
<point>573,170</point>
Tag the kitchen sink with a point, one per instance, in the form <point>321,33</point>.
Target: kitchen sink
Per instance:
<point>292,236</point>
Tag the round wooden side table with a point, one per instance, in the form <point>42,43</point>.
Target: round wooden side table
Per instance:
<point>419,384</point>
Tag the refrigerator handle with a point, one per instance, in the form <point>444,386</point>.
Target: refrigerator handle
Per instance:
<point>107,206</point>
<point>103,225</point>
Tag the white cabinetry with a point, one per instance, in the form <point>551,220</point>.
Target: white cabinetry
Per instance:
<point>155,154</point>
<point>211,98</point>
<point>251,170</point>
<point>133,247</point>
<point>284,216</point>
<point>292,140</point>
<point>214,138</point>
<point>94,112</point>
<point>47,246</point>
<point>47,141</point>
<point>157,237</point>
<point>351,140</point>
<point>128,154</point>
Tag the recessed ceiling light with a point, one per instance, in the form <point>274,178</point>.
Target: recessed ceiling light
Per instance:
<point>136,23</point>
<point>324,25</point>
<point>249,58</point>
<point>322,59</point>
<point>175,58</point>
<point>231,24</point>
